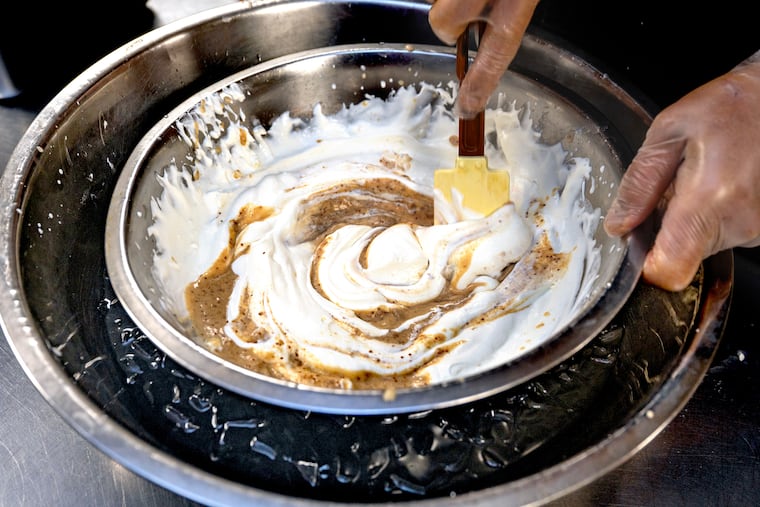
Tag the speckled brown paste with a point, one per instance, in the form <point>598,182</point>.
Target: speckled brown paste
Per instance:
<point>375,202</point>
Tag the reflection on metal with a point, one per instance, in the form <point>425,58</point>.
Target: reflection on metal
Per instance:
<point>7,88</point>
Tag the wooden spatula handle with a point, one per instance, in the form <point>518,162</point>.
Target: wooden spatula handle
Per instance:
<point>471,130</point>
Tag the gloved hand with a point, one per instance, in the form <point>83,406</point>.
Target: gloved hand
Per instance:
<point>506,21</point>
<point>700,164</point>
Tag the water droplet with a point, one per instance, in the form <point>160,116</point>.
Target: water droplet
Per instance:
<point>199,403</point>
<point>260,447</point>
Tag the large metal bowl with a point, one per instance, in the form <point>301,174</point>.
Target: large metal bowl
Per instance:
<point>295,83</point>
<point>529,444</point>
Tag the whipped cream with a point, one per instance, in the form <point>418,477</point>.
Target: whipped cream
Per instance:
<point>307,251</point>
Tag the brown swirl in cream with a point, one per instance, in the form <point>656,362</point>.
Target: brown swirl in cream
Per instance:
<point>375,202</point>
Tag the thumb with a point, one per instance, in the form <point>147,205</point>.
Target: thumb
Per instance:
<point>683,241</point>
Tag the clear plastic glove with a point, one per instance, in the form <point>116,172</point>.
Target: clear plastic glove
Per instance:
<point>699,166</point>
<point>506,21</point>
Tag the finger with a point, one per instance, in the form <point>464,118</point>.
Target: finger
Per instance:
<point>449,18</point>
<point>689,233</point>
<point>497,50</point>
<point>644,182</point>
<point>506,25</point>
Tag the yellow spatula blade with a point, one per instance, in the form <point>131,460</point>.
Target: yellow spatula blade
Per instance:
<point>483,190</point>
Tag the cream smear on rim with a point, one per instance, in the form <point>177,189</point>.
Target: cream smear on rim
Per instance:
<point>307,250</point>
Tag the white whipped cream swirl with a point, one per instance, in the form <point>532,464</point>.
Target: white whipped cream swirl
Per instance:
<point>313,241</point>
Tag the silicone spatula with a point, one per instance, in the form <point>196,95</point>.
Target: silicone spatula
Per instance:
<point>482,190</point>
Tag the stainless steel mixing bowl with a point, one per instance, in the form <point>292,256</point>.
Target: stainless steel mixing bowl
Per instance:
<point>527,445</point>
<point>334,77</point>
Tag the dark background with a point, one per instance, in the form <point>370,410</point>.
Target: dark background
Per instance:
<point>664,48</point>
<point>46,44</point>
